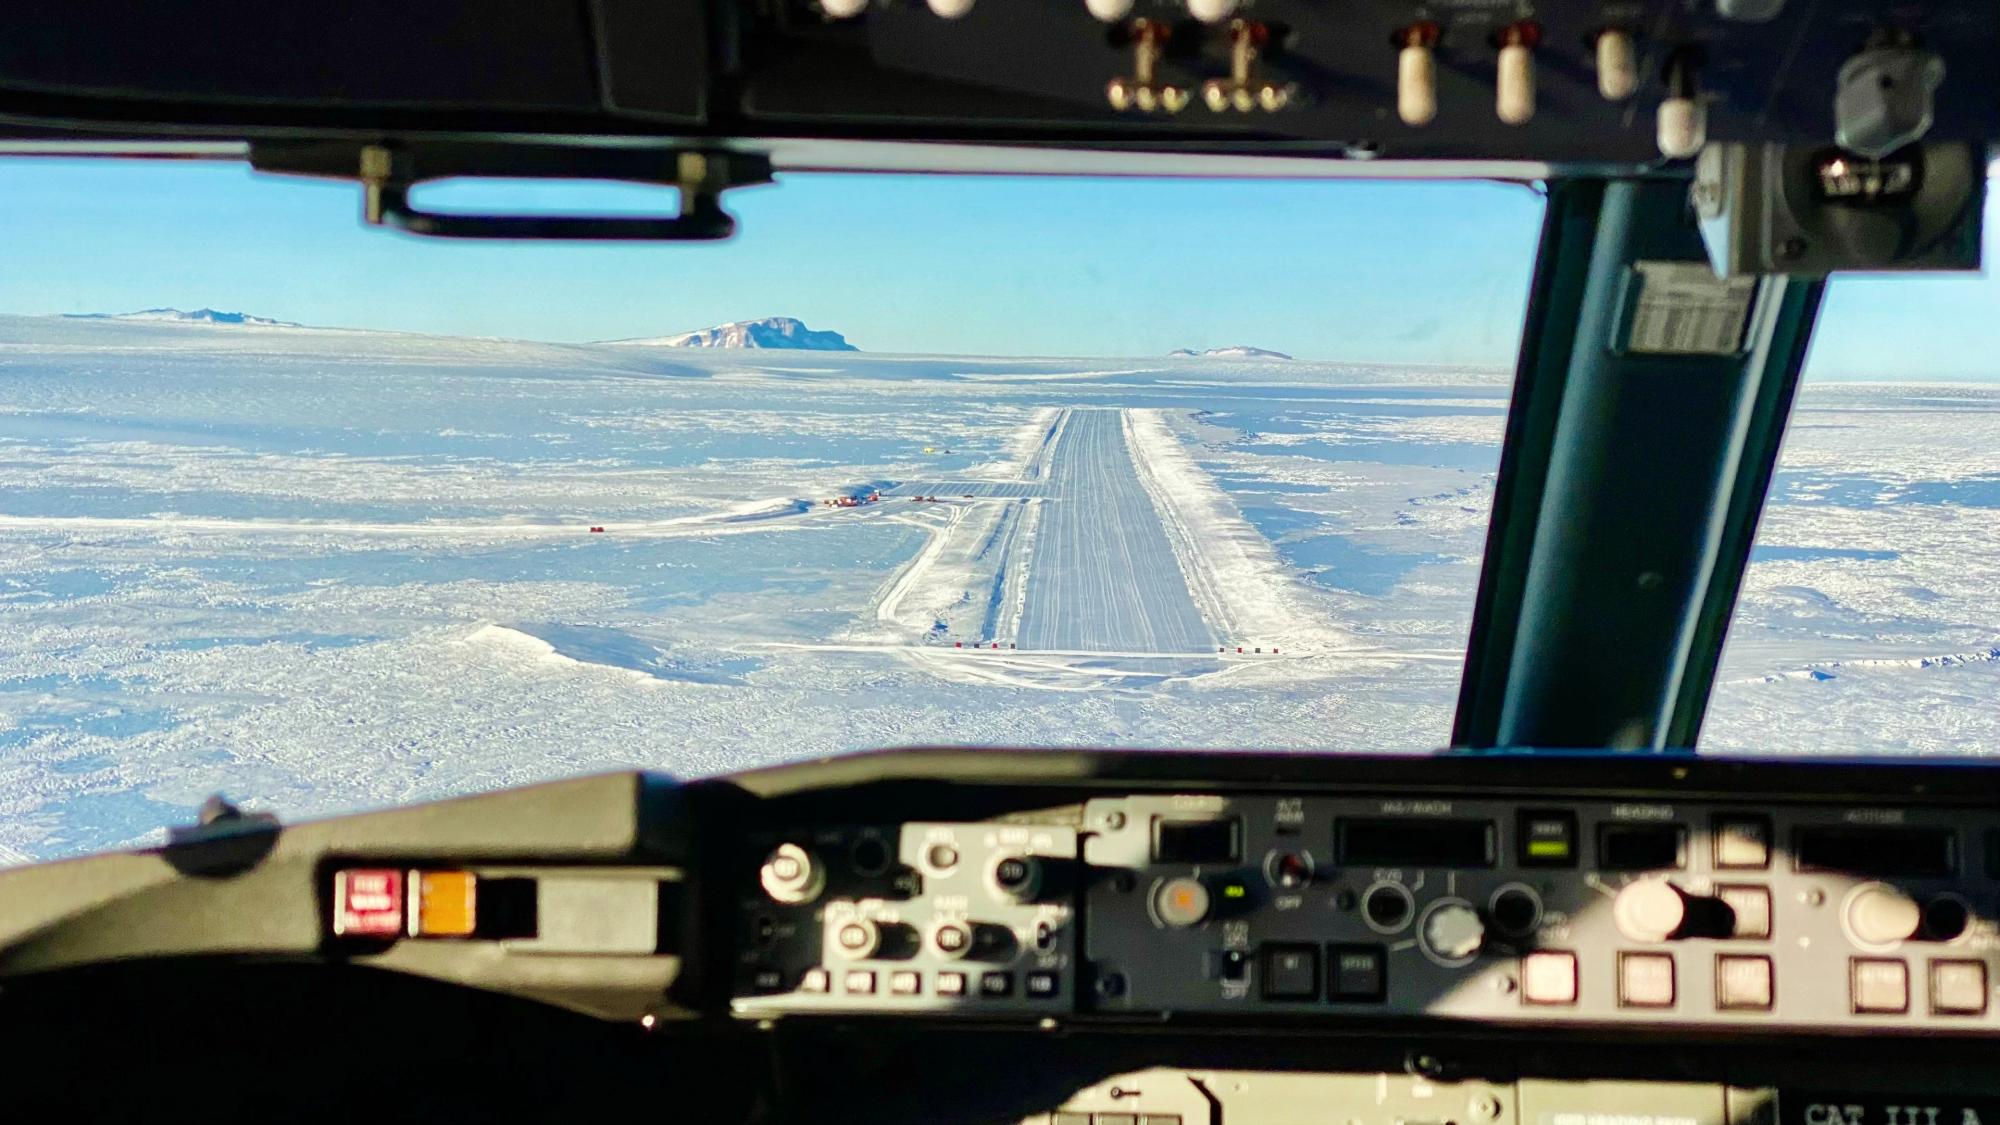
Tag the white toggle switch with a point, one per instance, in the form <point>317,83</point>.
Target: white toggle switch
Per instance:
<point>1416,84</point>
<point>1617,64</point>
<point>1211,11</point>
<point>949,9</point>
<point>1683,128</point>
<point>1514,85</point>
<point>1110,11</point>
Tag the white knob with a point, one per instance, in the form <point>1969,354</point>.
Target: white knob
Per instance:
<point>1453,931</point>
<point>1416,85</point>
<point>1878,914</point>
<point>857,940</point>
<point>1649,910</point>
<point>792,875</point>
<point>949,9</point>
<point>1682,128</point>
<point>1110,11</point>
<point>1617,65</point>
<point>1211,11</point>
<point>843,9</point>
<point>1514,87</point>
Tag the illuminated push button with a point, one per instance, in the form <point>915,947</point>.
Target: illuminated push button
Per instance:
<point>859,982</point>
<point>996,985</point>
<point>906,982</point>
<point>1547,838</point>
<point>1958,988</point>
<point>1357,973</point>
<point>816,980</point>
<point>1743,983</point>
<point>1879,986</point>
<point>1042,986</point>
<point>446,903</point>
<point>368,902</point>
<point>1645,980</point>
<point>1751,909</point>
<point>951,984</point>
<point>1182,902</point>
<point>1742,843</point>
<point>1549,977</point>
<point>1291,972</point>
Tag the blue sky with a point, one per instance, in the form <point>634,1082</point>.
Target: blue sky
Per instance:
<point>1383,272</point>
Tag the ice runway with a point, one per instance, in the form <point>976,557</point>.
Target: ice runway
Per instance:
<point>1102,576</point>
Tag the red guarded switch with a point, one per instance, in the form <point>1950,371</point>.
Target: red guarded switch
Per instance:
<point>368,902</point>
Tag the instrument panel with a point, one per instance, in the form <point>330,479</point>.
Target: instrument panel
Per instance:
<point>1553,911</point>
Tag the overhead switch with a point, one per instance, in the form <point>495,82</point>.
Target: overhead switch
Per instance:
<point>843,9</point>
<point>1110,11</point>
<point>1416,73</point>
<point>1617,64</point>
<point>1514,79</point>
<point>1211,11</point>
<point>1682,122</point>
<point>949,9</point>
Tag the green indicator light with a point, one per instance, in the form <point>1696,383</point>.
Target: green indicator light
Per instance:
<point>1548,848</point>
<point>1234,890</point>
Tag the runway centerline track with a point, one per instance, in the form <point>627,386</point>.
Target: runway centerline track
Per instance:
<point>1101,574</point>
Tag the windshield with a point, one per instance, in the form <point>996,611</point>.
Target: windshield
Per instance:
<point>1867,622</point>
<point>327,518</point>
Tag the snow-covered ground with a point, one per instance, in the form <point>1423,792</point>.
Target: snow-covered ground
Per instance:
<point>323,570</point>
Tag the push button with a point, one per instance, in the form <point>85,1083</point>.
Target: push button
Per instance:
<point>1041,986</point>
<point>1879,986</point>
<point>1549,977</point>
<point>1645,980</point>
<point>996,984</point>
<point>1743,983</point>
<point>1751,907</point>
<point>1742,843</point>
<point>905,982</point>
<point>1357,973</point>
<point>859,982</point>
<point>1291,972</point>
<point>1958,988</point>
<point>951,984</point>
<point>1547,838</point>
<point>816,980</point>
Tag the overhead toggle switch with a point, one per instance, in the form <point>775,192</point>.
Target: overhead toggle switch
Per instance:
<point>1239,91</point>
<point>1617,64</point>
<point>1143,91</point>
<point>949,9</point>
<point>1211,11</point>
<point>1682,123</point>
<point>843,9</point>
<point>1110,11</point>
<point>1416,73</point>
<point>1514,80</point>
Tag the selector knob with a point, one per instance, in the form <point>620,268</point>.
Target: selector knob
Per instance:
<point>1015,878</point>
<point>951,938</point>
<point>1182,902</point>
<point>1453,931</point>
<point>858,940</point>
<point>1878,914</point>
<point>792,875</point>
<point>1649,910</point>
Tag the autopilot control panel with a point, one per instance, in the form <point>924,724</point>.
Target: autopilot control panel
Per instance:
<point>1623,910</point>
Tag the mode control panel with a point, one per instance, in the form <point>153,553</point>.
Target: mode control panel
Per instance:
<point>940,917</point>
<point>1543,911</point>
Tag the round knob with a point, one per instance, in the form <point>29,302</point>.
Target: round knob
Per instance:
<point>843,9</point>
<point>949,9</point>
<point>1879,914</point>
<point>1211,11</point>
<point>1453,931</point>
<point>1015,878</point>
<point>951,938</point>
<point>1182,902</point>
<point>858,940</point>
<point>1649,910</point>
<point>1110,11</point>
<point>791,875</point>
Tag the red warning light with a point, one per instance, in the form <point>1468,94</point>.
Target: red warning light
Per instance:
<point>368,902</point>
